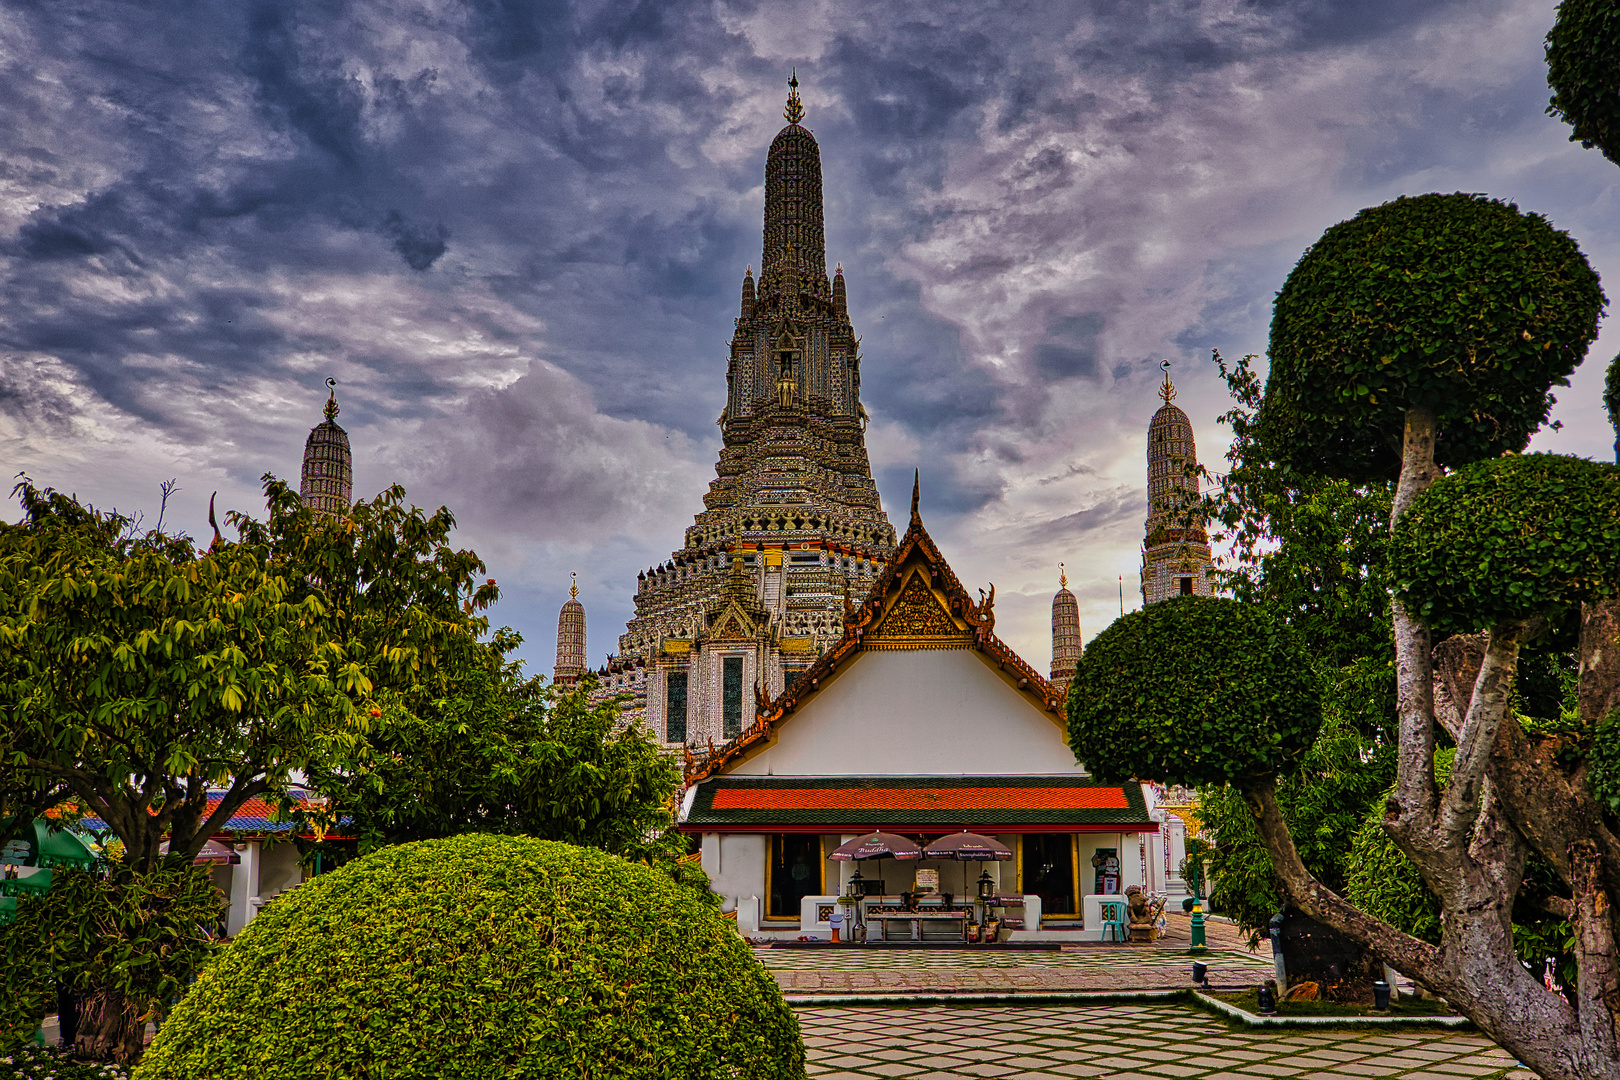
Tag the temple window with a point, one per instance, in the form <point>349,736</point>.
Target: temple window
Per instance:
<point>731,697</point>
<point>1186,586</point>
<point>675,707</point>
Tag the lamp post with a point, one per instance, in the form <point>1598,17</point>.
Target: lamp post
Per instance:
<point>1198,943</point>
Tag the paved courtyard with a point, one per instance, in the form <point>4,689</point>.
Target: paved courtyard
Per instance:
<point>1120,1042</point>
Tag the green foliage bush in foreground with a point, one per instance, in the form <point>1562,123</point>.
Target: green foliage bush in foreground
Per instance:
<point>1161,688</point>
<point>477,957</point>
<point>1507,539</point>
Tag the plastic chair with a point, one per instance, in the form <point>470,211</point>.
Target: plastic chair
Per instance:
<point>1113,926</point>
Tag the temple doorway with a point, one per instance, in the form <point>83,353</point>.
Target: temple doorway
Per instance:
<point>1048,869</point>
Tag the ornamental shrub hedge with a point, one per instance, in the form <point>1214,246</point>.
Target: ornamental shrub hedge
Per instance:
<point>1457,303</point>
<point>1583,53</point>
<point>478,957</point>
<point>1194,690</point>
<point>1508,539</point>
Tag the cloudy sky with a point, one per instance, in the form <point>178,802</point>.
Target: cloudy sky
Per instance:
<point>514,232</point>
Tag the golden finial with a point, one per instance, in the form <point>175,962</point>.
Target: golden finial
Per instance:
<point>573,589</point>
<point>839,270</point>
<point>331,399</point>
<point>1063,577</point>
<point>916,495</point>
<point>1168,390</point>
<point>795,108</point>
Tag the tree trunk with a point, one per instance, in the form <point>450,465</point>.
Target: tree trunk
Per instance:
<point>110,1028</point>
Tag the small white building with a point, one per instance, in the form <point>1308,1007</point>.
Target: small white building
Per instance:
<point>920,721</point>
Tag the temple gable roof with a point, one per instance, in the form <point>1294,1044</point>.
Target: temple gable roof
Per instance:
<point>916,604</point>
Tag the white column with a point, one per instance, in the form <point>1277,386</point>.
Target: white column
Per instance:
<point>244,889</point>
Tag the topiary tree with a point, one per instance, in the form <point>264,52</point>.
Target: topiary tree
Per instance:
<point>1438,326</point>
<point>1443,318</point>
<point>1161,685</point>
<point>483,956</point>
<point>1611,402</point>
<point>1545,526</point>
<point>1583,54</point>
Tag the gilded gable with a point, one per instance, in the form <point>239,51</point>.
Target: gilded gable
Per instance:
<point>917,620</point>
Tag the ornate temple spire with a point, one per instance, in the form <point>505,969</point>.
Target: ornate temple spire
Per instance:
<point>1176,557</point>
<point>795,108</point>
<point>748,292</point>
<point>1065,635</point>
<point>326,480</point>
<point>793,212</point>
<point>570,638</point>
<point>840,299</point>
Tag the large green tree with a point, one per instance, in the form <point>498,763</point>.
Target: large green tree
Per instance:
<point>162,687</point>
<point>1422,334</point>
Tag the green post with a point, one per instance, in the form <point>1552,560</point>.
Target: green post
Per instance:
<point>1198,944</point>
<point>1195,877</point>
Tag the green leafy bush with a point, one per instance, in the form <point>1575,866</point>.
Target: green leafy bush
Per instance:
<point>1583,53</point>
<point>1193,690</point>
<point>1457,303</point>
<point>140,937</point>
<point>477,957</point>
<point>1383,882</point>
<point>1507,539</point>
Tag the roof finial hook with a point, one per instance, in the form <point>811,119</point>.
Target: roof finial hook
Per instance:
<point>1168,390</point>
<point>573,589</point>
<point>1063,577</point>
<point>795,108</point>
<point>331,399</point>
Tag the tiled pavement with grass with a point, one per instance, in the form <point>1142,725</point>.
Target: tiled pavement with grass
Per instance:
<point>1121,1042</point>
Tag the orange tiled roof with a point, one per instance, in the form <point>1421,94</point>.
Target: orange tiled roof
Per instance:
<point>1061,803</point>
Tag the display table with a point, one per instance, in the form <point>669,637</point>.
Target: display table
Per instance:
<point>921,924</point>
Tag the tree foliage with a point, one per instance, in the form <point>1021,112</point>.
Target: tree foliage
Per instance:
<point>1508,539</point>
<point>135,940</point>
<point>1583,54</point>
<point>1458,304</point>
<point>1324,801</point>
<point>162,687</point>
<point>499,753</point>
<point>483,956</point>
<point>1309,548</point>
<point>1161,688</point>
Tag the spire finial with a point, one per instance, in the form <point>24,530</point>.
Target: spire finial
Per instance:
<point>573,589</point>
<point>916,494</point>
<point>1063,577</point>
<point>1168,390</point>
<point>331,399</point>
<point>795,108</point>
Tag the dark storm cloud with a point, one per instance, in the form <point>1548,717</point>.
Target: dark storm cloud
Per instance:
<point>515,233</point>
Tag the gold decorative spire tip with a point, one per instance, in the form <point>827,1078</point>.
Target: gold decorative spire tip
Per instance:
<point>331,399</point>
<point>916,494</point>
<point>1063,577</point>
<point>573,589</point>
<point>795,108</point>
<point>1168,390</point>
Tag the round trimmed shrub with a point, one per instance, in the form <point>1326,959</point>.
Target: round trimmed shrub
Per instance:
<point>480,957</point>
<point>1458,303</point>
<point>1583,53</point>
<point>1193,690</point>
<point>1507,539</point>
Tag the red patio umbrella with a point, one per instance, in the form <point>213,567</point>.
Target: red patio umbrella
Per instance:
<point>878,845</point>
<point>968,847</point>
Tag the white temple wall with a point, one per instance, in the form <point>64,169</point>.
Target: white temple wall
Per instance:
<point>943,712</point>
